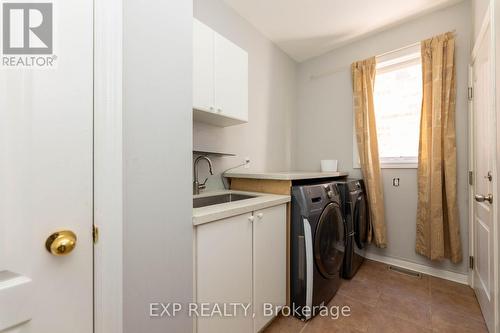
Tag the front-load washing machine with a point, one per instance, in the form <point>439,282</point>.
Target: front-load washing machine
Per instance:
<point>356,214</point>
<point>317,247</point>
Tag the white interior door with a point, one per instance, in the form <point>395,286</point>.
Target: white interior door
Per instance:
<point>484,143</point>
<point>46,179</point>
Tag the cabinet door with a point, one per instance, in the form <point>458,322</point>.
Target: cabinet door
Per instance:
<point>224,271</point>
<point>231,79</point>
<point>269,251</point>
<point>203,67</point>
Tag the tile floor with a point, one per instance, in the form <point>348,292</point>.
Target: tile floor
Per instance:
<point>386,301</point>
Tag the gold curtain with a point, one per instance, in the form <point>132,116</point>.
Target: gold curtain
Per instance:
<point>438,227</point>
<point>363,80</point>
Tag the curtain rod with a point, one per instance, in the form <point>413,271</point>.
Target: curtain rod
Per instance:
<point>397,50</point>
<point>341,68</point>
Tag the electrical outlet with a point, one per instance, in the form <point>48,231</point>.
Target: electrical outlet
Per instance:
<point>395,182</point>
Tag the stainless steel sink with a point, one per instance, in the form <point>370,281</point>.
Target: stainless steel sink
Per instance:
<point>219,199</point>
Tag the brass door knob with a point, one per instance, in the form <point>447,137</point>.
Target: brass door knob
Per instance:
<point>61,243</point>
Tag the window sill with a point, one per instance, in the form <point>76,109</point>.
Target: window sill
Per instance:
<point>395,166</point>
<point>399,165</point>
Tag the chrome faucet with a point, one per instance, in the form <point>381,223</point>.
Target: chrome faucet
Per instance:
<point>196,184</point>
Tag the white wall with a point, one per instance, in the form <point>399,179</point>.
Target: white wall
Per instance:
<point>324,124</point>
<point>157,138</point>
<point>272,92</point>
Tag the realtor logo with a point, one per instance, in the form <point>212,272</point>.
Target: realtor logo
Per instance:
<point>27,28</point>
<point>27,34</point>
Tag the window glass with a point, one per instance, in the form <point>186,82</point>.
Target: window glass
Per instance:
<point>398,99</point>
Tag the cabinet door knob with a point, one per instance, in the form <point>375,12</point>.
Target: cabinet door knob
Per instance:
<point>260,215</point>
<point>251,218</point>
<point>219,110</point>
<point>211,107</point>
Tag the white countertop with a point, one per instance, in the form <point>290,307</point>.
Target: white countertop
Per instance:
<point>221,211</point>
<point>286,175</point>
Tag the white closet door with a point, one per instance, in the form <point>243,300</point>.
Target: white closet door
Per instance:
<point>46,135</point>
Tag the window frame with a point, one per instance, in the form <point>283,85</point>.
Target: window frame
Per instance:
<point>388,62</point>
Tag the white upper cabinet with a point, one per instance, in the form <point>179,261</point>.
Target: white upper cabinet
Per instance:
<point>203,67</point>
<point>220,78</point>
<point>231,79</point>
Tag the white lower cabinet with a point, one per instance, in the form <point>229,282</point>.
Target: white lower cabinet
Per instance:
<point>269,262</point>
<point>241,259</point>
<point>224,271</point>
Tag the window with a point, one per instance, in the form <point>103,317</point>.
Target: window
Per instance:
<point>398,100</point>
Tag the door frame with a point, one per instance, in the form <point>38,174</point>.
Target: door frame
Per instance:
<point>470,168</point>
<point>495,17</point>
<point>108,167</point>
<point>488,22</point>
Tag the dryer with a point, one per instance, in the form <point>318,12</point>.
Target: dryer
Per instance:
<point>356,213</point>
<point>317,247</point>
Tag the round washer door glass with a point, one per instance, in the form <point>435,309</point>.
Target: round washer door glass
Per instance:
<point>361,221</point>
<point>329,241</point>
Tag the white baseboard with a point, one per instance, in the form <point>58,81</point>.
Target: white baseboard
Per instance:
<point>440,273</point>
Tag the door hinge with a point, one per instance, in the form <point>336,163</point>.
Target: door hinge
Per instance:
<point>95,233</point>
<point>471,177</point>
<point>470,93</point>
<point>471,262</point>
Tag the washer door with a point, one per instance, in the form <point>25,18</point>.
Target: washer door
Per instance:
<point>361,220</point>
<point>329,241</point>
